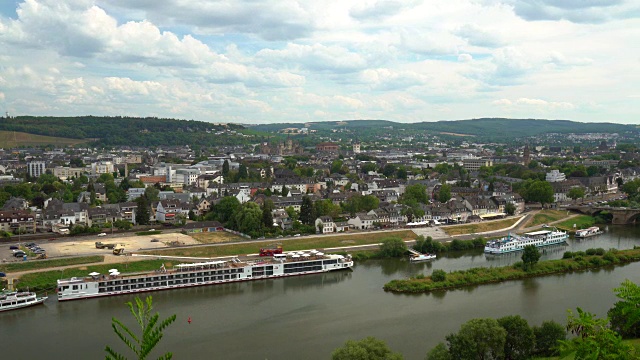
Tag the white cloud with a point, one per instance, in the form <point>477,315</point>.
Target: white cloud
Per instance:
<point>296,60</point>
<point>579,11</point>
<point>465,57</point>
<point>477,36</point>
<point>316,57</point>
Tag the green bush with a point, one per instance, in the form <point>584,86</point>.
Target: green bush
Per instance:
<point>591,252</point>
<point>567,255</point>
<point>600,251</point>
<point>610,257</point>
<point>439,275</point>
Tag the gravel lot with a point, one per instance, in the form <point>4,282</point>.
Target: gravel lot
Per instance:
<point>86,245</point>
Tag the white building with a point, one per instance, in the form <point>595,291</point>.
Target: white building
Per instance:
<point>555,176</point>
<point>356,148</point>
<point>36,168</point>
<point>105,167</point>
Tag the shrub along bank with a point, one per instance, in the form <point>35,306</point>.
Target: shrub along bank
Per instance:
<point>479,276</point>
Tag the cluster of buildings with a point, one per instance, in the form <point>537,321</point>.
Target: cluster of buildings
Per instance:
<point>196,186</point>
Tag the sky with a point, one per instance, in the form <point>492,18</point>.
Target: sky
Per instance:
<point>272,61</point>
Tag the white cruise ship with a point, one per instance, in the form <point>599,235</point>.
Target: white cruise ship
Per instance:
<point>512,243</point>
<point>199,274</point>
<point>15,300</point>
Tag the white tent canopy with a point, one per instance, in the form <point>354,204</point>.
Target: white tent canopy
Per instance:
<point>94,274</point>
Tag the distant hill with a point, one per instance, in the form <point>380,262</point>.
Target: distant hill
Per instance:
<point>9,139</point>
<point>484,129</point>
<point>112,131</point>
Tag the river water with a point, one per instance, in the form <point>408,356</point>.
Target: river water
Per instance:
<point>307,317</point>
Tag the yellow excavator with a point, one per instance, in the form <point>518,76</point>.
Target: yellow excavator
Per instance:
<point>118,249</point>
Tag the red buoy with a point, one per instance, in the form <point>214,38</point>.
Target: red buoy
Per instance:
<point>189,320</point>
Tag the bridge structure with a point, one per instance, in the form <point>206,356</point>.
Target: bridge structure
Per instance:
<point>621,215</point>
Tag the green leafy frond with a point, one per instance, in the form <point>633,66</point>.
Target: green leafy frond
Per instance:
<point>112,355</point>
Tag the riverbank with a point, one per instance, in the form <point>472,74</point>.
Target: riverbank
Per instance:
<point>484,275</point>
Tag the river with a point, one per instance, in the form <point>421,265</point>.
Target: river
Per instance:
<point>307,317</point>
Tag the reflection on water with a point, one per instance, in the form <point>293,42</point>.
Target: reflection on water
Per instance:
<point>306,317</point>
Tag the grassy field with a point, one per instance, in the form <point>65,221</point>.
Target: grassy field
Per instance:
<point>546,216</point>
<point>582,222</point>
<point>215,237</point>
<point>43,264</point>
<point>46,280</point>
<point>319,242</point>
<point>479,227</point>
<point>10,139</point>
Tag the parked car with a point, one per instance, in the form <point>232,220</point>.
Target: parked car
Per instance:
<point>154,240</point>
<point>19,253</point>
<point>13,247</point>
<point>40,251</point>
<point>296,235</point>
<point>30,244</point>
<point>102,234</point>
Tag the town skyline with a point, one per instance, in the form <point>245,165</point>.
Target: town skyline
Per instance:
<point>301,62</point>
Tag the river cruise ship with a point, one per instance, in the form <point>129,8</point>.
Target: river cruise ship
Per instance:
<point>585,233</point>
<point>199,274</point>
<point>512,243</point>
<point>16,300</point>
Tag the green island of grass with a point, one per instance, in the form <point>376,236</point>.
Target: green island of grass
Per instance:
<point>483,275</point>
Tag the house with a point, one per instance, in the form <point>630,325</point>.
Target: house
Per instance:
<point>325,225</point>
<point>203,226</point>
<point>327,147</point>
<point>202,206</point>
<point>99,216</point>
<point>342,226</point>
<point>15,203</point>
<point>168,210</point>
<point>17,222</point>
<point>363,221</point>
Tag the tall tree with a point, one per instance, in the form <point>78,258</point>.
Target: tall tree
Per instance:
<point>142,211</point>
<point>625,314</point>
<point>225,168</point>
<point>225,210</point>
<point>520,340</point>
<point>366,349</point>
<point>267,216</point>
<point>547,336</point>
<point>444,194</point>
<point>417,192</point>
<point>593,336</point>
<point>307,216</point>
<point>249,218</point>
<point>530,257</point>
<point>575,193</point>
<point>152,193</point>
<point>478,339</point>
<point>243,172</point>
<point>151,331</point>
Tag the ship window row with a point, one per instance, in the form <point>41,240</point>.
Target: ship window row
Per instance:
<point>169,277</point>
<point>168,283</point>
<point>262,268</point>
<point>303,269</point>
<point>262,273</point>
<point>302,264</point>
<point>327,262</point>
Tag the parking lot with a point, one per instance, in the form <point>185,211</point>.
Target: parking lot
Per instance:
<point>86,245</point>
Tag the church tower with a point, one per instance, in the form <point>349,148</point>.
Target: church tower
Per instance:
<point>526,157</point>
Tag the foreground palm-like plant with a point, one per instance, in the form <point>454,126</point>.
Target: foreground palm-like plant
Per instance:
<point>152,331</point>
